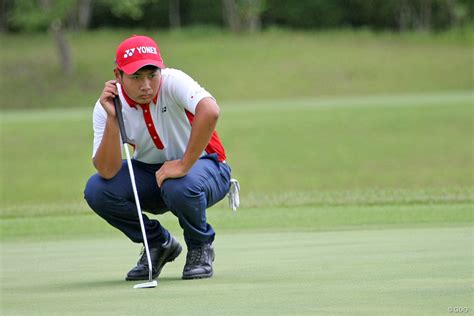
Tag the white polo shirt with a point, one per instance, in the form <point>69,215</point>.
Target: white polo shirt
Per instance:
<point>160,131</point>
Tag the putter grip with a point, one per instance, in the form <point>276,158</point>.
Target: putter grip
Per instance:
<point>118,114</point>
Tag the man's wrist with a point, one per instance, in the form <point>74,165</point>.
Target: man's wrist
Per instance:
<point>112,120</point>
<point>186,164</point>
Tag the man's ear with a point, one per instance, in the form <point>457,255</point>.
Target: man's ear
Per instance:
<point>118,76</point>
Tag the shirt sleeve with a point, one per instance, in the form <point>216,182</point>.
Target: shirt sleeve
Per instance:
<point>186,91</point>
<point>99,119</point>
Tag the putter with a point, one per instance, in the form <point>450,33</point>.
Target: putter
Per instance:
<point>118,112</point>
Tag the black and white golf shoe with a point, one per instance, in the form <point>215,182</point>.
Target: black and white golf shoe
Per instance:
<point>199,262</point>
<point>159,257</point>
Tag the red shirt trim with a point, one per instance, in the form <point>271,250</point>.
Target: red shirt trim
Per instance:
<point>130,102</point>
<point>147,116</point>
<point>215,144</point>
<point>150,126</point>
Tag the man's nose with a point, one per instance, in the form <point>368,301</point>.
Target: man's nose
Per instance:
<point>146,84</point>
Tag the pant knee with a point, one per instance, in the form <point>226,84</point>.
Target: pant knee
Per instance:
<point>181,195</point>
<point>94,193</point>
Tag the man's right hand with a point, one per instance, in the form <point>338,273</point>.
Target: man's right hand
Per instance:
<point>107,97</point>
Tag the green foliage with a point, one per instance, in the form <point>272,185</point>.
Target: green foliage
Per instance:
<point>128,8</point>
<point>249,8</point>
<point>389,14</point>
<point>202,12</point>
<point>132,14</point>
<point>372,13</point>
<point>306,14</point>
<point>31,16</point>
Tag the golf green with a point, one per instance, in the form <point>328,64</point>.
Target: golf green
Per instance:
<point>398,271</point>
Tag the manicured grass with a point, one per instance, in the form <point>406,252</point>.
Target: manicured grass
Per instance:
<point>412,271</point>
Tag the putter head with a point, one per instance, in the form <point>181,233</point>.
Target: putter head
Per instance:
<point>146,285</point>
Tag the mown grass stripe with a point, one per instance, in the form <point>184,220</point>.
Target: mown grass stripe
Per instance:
<point>276,219</point>
<point>388,100</point>
<point>379,197</point>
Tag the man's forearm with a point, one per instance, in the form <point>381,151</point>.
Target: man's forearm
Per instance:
<point>108,158</point>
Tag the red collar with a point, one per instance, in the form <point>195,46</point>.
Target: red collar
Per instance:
<point>134,104</point>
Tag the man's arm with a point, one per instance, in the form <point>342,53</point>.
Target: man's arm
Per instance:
<point>204,124</point>
<point>108,158</point>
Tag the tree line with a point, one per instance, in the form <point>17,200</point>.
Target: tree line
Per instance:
<point>236,15</point>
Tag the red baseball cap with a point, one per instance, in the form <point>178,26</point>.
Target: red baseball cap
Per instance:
<point>136,52</point>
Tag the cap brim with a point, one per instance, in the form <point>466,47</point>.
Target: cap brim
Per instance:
<point>136,65</point>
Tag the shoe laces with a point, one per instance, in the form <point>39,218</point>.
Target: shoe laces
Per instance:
<point>194,256</point>
<point>143,259</point>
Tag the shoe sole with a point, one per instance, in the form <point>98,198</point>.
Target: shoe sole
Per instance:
<point>198,276</point>
<point>176,252</point>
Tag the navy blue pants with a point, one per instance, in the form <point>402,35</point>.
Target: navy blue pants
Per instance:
<point>206,183</point>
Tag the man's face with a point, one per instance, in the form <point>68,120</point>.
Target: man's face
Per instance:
<point>141,86</point>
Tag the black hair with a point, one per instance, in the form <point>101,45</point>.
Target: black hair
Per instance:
<point>147,67</point>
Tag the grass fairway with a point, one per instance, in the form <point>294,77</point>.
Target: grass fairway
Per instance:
<point>411,271</point>
<point>289,152</point>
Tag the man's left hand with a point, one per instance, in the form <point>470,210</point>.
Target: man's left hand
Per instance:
<point>170,169</point>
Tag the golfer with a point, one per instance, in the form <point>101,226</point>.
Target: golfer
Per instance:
<point>179,161</point>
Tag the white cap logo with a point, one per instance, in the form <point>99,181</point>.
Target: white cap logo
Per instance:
<point>129,53</point>
<point>141,50</point>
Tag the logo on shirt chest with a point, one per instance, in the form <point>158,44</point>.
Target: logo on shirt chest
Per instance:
<point>163,109</point>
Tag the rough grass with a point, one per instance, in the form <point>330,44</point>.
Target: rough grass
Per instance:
<point>270,65</point>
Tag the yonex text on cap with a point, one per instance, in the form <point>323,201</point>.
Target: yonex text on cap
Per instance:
<point>136,52</point>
